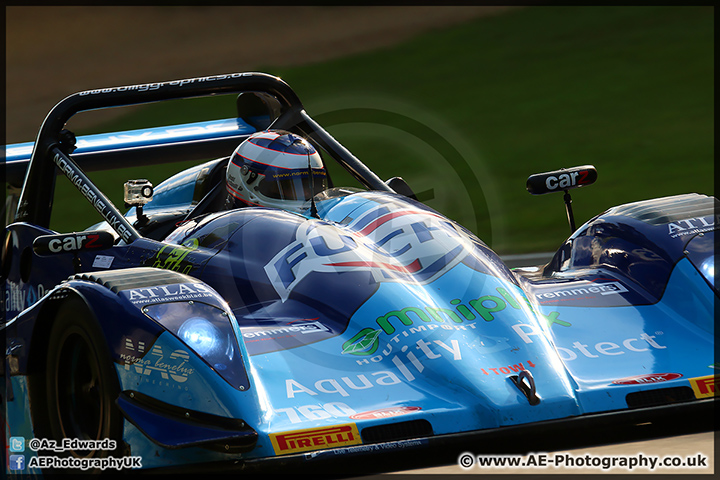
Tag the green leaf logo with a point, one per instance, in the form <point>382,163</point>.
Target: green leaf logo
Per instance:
<point>365,342</point>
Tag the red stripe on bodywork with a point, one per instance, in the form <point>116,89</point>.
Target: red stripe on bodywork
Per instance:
<point>411,268</point>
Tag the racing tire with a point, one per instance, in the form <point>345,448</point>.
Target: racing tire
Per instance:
<point>81,384</point>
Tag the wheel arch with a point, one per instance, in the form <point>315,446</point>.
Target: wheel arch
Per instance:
<point>99,295</point>
<point>37,353</point>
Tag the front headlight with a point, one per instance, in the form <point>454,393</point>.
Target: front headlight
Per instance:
<point>203,337</point>
<point>700,250</point>
<point>207,331</point>
<point>707,268</point>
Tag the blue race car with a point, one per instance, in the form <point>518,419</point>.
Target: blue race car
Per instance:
<point>208,327</point>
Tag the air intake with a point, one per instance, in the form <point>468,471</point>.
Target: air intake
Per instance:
<point>660,396</point>
<point>660,211</point>
<point>397,431</point>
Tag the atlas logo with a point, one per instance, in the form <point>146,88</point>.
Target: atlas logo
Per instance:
<point>168,293</point>
<point>691,226</point>
<point>394,246</point>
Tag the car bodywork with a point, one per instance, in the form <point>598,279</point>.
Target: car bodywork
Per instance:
<point>375,324</point>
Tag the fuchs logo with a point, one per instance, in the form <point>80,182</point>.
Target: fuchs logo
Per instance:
<point>402,246</point>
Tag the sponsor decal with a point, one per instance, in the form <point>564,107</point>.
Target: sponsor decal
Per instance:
<point>370,448</point>
<point>156,364</point>
<point>482,308</point>
<point>72,242</point>
<point>315,438</point>
<point>428,349</point>
<point>394,246</point>
<point>94,197</point>
<point>568,180</point>
<point>265,338</point>
<point>641,343</point>
<point>516,368</point>
<point>384,413</point>
<point>174,258</point>
<point>365,342</point>
<point>691,226</point>
<point>18,296</point>
<point>168,293</point>
<point>155,86</point>
<point>341,387</point>
<point>345,386</point>
<point>647,378</point>
<point>304,413</point>
<point>372,345</point>
<point>281,331</point>
<point>704,387</point>
<point>461,317</point>
<point>585,289</point>
<point>102,261</point>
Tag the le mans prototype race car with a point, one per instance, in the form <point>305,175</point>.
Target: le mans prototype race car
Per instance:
<point>184,336</point>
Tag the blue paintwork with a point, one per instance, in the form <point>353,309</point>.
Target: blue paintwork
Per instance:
<point>381,303</point>
<point>189,132</point>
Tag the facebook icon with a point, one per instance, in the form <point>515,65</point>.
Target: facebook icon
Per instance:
<point>17,462</point>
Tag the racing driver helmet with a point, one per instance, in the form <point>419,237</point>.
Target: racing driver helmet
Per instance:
<point>272,169</point>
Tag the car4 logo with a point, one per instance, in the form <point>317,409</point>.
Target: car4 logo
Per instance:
<point>315,438</point>
<point>399,245</point>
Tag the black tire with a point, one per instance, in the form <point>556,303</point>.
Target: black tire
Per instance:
<point>81,383</point>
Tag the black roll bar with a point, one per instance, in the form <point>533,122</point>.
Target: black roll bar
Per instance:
<point>36,199</point>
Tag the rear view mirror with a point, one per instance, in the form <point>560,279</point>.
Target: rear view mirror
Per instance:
<point>401,186</point>
<point>561,180</point>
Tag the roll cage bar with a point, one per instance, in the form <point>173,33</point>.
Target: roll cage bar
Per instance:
<point>54,145</point>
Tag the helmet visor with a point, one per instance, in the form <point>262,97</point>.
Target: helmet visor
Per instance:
<point>293,185</point>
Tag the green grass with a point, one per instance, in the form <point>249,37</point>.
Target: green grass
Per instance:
<point>472,111</point>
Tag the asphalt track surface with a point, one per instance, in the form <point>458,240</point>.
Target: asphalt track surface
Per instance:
<point>580,447</point>
<point>52,52</point>
<point>655,441</point>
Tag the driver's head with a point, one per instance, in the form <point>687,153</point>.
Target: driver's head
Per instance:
<point>271,169</point>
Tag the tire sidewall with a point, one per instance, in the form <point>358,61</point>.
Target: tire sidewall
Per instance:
<point>75,326</point>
